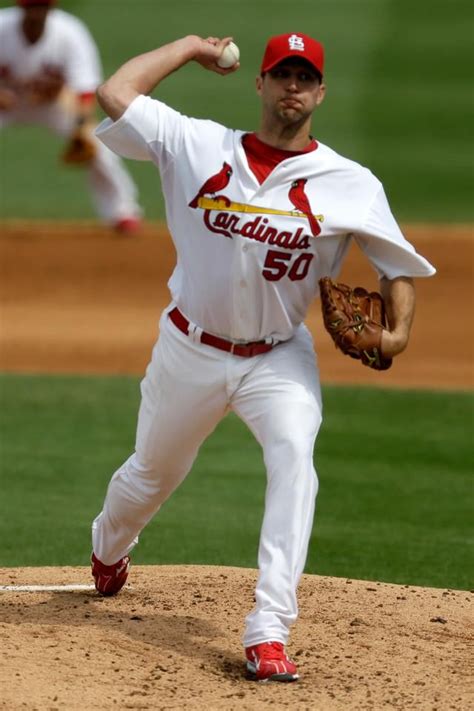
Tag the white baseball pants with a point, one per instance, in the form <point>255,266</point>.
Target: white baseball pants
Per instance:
<point>187,390</point>
<point>112,190</point>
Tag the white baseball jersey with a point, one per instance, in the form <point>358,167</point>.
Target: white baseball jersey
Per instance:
<point>250,255</point>
<point>66,45</point>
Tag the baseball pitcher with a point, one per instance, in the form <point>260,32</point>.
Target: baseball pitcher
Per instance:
<point>257,219</point>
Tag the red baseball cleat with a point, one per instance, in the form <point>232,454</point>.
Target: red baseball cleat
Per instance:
<point>109,579</point>
<point>268,662</point>
<point>128,225</point>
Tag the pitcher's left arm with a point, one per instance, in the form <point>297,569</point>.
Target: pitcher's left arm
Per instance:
<point>399,298</point>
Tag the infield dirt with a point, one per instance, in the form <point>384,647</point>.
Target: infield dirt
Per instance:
<point>76,298</point>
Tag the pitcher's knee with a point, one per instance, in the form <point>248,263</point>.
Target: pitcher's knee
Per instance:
<point>136,482</point>
<point>295,444</point>
<point>153,480</point>
<point>291,454</point>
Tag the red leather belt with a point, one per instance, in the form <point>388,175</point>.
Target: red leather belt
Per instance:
<point>244,350</point>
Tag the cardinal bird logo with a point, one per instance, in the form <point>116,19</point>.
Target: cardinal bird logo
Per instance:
<point>213,184</point>
<point>300,200</point>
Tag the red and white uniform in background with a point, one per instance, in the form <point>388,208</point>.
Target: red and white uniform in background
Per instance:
<point>249,256</point>
<point>67,48</point>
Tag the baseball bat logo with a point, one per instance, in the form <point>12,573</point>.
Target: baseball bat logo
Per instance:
<point>226,213</point>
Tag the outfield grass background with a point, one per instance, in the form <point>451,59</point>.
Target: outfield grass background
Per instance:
<point>395,502</point>
<point>399,100</point>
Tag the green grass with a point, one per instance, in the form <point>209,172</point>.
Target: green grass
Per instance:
<point>395,501</point>
<point>399,100</point>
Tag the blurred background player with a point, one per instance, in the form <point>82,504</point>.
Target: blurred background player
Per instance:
<point>49,71</point>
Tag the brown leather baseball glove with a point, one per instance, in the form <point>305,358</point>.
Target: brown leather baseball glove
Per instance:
<point>355,319</point>
<point>80,148</point>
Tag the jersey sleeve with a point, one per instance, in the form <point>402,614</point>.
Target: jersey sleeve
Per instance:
<point>148,130</point>
<point>82,62</point>
<point>382,241</point>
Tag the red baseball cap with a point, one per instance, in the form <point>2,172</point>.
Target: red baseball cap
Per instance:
<point>31,3</point>
<point>296,44</point>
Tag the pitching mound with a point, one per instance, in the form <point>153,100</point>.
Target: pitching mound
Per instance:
<point>171,640</point>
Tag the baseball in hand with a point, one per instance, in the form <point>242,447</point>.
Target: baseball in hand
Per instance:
<point>229,56</point>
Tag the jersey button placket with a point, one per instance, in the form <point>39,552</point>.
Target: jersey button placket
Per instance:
<point>242,288</point>
<point>236,289</point>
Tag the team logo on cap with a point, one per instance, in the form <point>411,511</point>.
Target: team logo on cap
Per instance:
<point>296,42</point>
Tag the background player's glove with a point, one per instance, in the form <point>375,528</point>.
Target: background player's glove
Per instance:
<point>80,148</point>
<point>355,320</point>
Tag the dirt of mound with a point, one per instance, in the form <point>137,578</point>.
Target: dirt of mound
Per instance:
<point>76,298</point>
<point>171,640</point>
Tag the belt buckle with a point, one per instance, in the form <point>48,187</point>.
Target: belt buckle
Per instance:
<point>248,350</point>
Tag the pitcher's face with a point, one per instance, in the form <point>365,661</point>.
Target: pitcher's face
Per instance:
<point>290,91</point>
